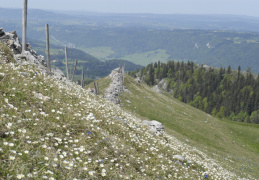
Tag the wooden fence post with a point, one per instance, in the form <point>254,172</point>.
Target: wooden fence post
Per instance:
<point>83,78</point>
<point>72,78</point>
<point>47,47</point>
<point>66,63</point>
<point>123,74</point>
<point>24,25</point>
<point>97,88</point>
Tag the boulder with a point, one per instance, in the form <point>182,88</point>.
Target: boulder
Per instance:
<point>162,84</point>
<point>41,96</point>
<point>179,158</point>
<point>25,74</point>
<point>138,80</point>
<point>58,73</point>
<point>155,126</point>
<point>120,120</point>
<point>156,89</point>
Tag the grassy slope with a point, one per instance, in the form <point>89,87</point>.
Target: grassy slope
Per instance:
<point>74,134</point>
<point>234,144</point>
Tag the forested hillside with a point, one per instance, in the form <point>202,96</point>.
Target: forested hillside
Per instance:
<point>224,93</point>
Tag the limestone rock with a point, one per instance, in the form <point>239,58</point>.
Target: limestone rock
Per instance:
<point>116,87</point>
<point>162,84</point>
<point>2,33</point>
<point>121,120</point>
<point>41,96</point>
<point>11,39</point>
<point>128,101</point>
<point>25,74</point>
<point>138,80</point>
<point>179,157</point>
<point>156,89</point>
<point>155,126</point>
<point>58,74</point>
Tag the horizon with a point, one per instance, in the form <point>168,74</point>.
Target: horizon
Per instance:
<point>199,7</point>
<point>86,11</point>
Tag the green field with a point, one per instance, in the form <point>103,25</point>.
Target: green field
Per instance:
<point>147,57</point>
<point>99,52</point>
<point>144,58</point>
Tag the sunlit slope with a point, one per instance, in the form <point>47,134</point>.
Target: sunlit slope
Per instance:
<point>236,145</point>
<point>53,129</point>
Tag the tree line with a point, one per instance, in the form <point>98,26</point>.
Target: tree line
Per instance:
<point>221,92</point>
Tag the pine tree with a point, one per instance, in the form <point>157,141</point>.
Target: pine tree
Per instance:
<point>151,75</point>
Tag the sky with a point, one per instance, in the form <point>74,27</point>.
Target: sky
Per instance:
<point>235,7</point>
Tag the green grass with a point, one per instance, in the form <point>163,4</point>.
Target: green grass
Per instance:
<point>99,52</point>
<point>234,144</point>
<point>103,84</point>
<point>6,53</point>
<point>143,59</point>
<point>147,57</point>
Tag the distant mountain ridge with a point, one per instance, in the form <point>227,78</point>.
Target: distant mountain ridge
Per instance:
<point>215,40</point>
<point>164,21</point>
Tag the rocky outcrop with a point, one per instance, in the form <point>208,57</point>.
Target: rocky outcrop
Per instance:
<point>12,40</point>
<point>2,33</point>
<point>156,89</point>
<point>30,56</point>
<point>155,126</point>
<point>116,86</point>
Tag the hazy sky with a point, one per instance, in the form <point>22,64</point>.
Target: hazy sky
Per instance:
<point>238,7</point>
